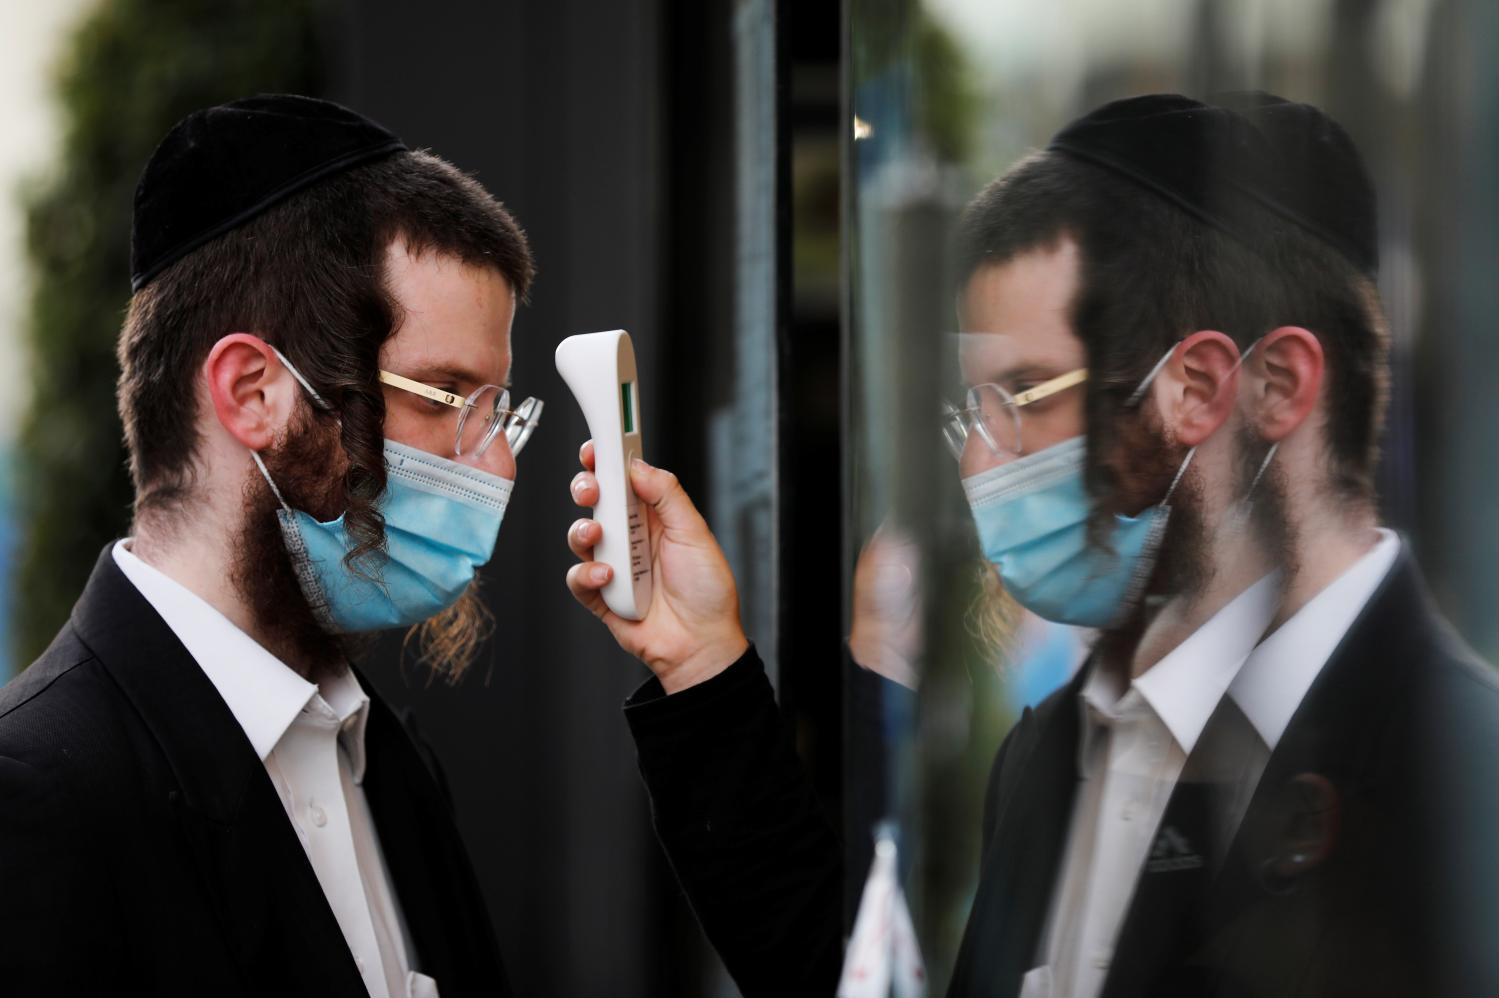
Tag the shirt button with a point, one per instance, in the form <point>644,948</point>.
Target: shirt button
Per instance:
<point>319,816</point>
<point>1101,960</point>
<point>1129,811</point>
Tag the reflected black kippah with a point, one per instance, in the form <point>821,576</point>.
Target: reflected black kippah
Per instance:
<point>1217,161</point>
<point>1321,182</point>
<point>1186,151</point>
<point>222,166</point>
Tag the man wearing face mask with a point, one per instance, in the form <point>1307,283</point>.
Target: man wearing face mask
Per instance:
<point>198,794</point>
<point>1168,316</point>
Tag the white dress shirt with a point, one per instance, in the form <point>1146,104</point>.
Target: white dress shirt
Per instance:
<point>311,739</point>
<point>1134,743</point>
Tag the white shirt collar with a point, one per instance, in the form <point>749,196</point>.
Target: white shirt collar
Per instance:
<point>264,694</point>
<point>1184,687</point>
<point>1275,680</point>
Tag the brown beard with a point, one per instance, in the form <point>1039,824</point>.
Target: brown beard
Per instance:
<point>262,572</point>
<point>1182,566</point>
<point>263,576</point>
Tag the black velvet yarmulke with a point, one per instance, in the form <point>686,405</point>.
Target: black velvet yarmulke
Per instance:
<point>1228,162</point>
<point>221,166</point>
<point>1319,180</point>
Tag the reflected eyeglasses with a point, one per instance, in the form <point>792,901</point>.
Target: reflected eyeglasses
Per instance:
<point>994,413</point>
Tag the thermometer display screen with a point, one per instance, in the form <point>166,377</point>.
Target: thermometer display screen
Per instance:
<point>627,405</point>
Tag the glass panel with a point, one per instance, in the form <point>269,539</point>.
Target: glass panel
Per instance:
<point>947,95</point>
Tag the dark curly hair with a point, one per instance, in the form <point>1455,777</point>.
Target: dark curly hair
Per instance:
<point>308,276</point>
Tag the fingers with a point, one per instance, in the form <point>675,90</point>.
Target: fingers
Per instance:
<point>585,489</point>
<point>585,455</point>
<point>584,580</point>
<point>665,494</point>
<point>582,537</point>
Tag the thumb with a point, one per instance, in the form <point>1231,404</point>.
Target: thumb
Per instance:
<point>661,490</point>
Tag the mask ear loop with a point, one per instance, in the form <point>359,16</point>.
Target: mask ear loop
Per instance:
<point>1248,500</point>
<point>1139,393</point>
<point>306,385</point>
<point>255,455</point>
<point>322,404</point>
<point>1269,456</point>
<point>1179,473</point>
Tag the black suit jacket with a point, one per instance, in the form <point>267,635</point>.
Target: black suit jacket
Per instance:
<point>1386,782</point>
<point>143,848</point>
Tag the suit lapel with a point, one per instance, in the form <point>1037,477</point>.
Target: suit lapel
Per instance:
<point>269,904</point>
<point>1033,788</point>
<point>429,867</point>
<point>1330,732</point>
<point>1263,928</point>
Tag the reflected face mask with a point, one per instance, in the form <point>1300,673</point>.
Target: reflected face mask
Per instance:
<point>442,519</point>
<point>1032,517</point>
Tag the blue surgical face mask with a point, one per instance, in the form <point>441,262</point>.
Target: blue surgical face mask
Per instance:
<point>441,522</point>
<point>1032,517</point>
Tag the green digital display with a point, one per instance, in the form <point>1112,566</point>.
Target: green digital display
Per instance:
<point>627,403</point>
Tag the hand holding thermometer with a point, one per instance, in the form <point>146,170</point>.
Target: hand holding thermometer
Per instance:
<point>599,368</point>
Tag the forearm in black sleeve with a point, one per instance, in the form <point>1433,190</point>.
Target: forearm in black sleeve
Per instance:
<point>742,827</point>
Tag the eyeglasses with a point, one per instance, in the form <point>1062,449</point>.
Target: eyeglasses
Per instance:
<point>481,416</point>
<point>994,413</point>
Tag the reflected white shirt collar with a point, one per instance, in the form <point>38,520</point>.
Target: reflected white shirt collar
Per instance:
<point>264,694</point>
<point>1185,686</point>
<point>1276,678</point>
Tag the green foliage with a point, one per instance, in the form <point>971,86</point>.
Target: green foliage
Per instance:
<point>948,107</point>
<point>132,69</point>
<point>902,39</point>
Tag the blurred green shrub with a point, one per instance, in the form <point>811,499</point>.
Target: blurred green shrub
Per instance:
<point>132,68</point>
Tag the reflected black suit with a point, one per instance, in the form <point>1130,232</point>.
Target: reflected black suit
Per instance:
<point>143,848</point>
<point>1390,767</point>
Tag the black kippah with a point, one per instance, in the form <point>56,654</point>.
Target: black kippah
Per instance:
<point>1319,179</point>
<point>221,166</point>
<point>1221,162</point>
<point>1183,150</point>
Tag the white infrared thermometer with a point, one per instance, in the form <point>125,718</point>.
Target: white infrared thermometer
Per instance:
<point>599,368</point>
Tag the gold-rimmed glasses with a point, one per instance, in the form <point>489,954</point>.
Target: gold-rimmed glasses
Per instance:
<point>481,415</point>
<point>994,413</point>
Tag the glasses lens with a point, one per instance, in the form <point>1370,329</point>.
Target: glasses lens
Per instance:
<point>480,419</point>
<point>996,417</point>
<point>521,423</point>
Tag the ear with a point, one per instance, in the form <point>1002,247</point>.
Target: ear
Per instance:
<point>1196,389</point>
<point>253,394</point>
<point>1287,369</point>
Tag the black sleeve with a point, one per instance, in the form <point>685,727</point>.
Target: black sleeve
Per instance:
<point>741,825</point>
